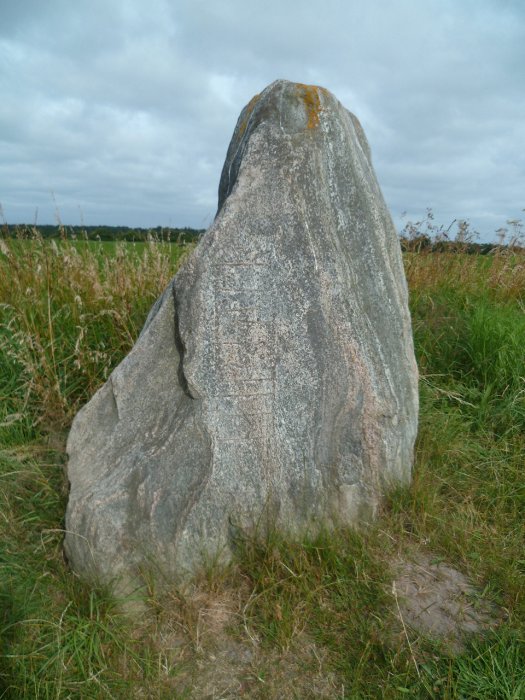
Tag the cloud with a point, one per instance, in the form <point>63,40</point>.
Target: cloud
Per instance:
<point>125,109</point>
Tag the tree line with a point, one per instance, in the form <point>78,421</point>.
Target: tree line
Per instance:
<point>102,233</point>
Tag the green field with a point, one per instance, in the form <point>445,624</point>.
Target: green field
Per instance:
<point>316,619</point>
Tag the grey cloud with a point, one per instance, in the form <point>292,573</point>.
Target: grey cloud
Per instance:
<point>126,109</point>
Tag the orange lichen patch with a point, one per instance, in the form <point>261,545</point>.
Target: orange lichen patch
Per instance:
<point>312,100</point>
<point>249,109</point>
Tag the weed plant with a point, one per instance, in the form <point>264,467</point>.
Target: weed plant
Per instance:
<point>287,620</point>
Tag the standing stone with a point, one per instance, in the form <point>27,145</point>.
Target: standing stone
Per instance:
<point>274,378</point>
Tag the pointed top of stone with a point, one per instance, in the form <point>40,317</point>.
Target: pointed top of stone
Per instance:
<point>293,110</point>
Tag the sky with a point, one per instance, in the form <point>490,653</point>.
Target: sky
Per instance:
<point>119,112</point>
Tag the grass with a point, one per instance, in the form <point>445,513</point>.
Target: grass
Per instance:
<point>314,619</point>
<point>70,312</point>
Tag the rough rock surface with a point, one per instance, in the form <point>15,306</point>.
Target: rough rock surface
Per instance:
<point>274,378</point>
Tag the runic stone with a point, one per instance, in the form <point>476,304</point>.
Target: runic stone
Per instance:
<point>274,382</point>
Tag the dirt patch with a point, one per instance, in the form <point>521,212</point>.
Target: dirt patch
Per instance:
<point>242,669</point>
<point>437,601</point>
<point>210,652</point>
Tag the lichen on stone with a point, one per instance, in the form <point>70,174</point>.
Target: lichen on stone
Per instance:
<point>310,94</point>
<point>248,113</point>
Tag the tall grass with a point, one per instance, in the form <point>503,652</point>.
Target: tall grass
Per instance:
<point>287,620</point>
<point>70,312</point>
<point>472,308</point>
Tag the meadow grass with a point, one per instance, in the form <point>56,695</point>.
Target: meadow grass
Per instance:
<point>314,619</point>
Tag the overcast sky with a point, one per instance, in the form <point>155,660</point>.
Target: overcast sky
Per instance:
<point>121,111</point>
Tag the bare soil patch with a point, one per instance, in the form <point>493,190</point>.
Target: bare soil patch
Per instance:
<point>219,657</point>
<point>435,600</point>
